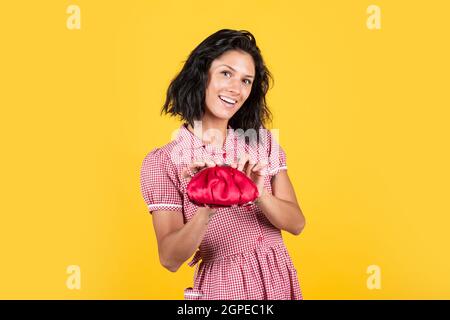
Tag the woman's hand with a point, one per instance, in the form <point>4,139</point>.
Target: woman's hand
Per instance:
<point>189,171</point>
<point>255,171</point>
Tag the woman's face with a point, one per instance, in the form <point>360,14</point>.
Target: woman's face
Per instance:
<point>230,82</point>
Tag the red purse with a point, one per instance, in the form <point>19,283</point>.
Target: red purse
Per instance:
<point>221,186</point>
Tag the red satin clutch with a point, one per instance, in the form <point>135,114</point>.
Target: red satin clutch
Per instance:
<point>221,186</point>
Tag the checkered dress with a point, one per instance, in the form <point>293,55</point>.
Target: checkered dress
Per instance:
<point>242,255</point>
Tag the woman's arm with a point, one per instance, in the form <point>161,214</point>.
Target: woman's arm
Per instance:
<point>177,241</point>
<point>282,208</point>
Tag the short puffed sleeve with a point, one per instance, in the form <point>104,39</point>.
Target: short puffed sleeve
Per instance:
<point>276,154</point>
<point>159,182</point>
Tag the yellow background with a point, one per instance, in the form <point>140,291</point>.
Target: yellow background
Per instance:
<point>363,117</point>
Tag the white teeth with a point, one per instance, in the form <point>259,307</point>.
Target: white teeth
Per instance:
<point>227,99</point>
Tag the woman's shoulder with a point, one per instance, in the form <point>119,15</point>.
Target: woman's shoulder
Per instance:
<point>171,146</point>
<point>159,154</point>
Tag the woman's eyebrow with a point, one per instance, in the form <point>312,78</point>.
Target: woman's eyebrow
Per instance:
<point>248,75</point>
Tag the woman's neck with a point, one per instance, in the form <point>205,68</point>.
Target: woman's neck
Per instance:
<point>210,131</point>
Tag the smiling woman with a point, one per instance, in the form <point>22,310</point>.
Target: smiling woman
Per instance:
<point>222,86</point>
<point>229,84</point>
<point>224,68</point>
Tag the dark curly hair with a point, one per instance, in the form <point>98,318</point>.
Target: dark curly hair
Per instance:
<point>186,92</point>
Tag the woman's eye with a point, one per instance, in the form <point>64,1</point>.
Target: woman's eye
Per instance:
<point>228,73</point>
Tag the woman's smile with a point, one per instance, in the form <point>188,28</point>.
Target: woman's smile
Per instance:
<point>227,102</point>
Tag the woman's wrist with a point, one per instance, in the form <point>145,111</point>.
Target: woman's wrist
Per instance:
<point>262,195</point>
<point>207,213</point>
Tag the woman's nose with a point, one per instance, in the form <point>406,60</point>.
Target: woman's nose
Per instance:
<point>234,86</point>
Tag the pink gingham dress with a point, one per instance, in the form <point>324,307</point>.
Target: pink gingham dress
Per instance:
<point>242,255</point>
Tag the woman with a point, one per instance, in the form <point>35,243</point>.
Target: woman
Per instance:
<point>221,90</point>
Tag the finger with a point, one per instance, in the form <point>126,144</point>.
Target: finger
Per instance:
<point>186,173</point>
<point>234,165</point>
<point>192,169</point>
<point>242,161</point>
<point>213,209</point>
<point>257,167</point>
<point>260,169</point>
<point>196,166</point>
<point>210,163</point>
<point>249,167</point>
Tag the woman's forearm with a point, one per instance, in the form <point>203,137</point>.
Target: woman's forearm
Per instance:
<point>178,246</point>
<point>282,214</point>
